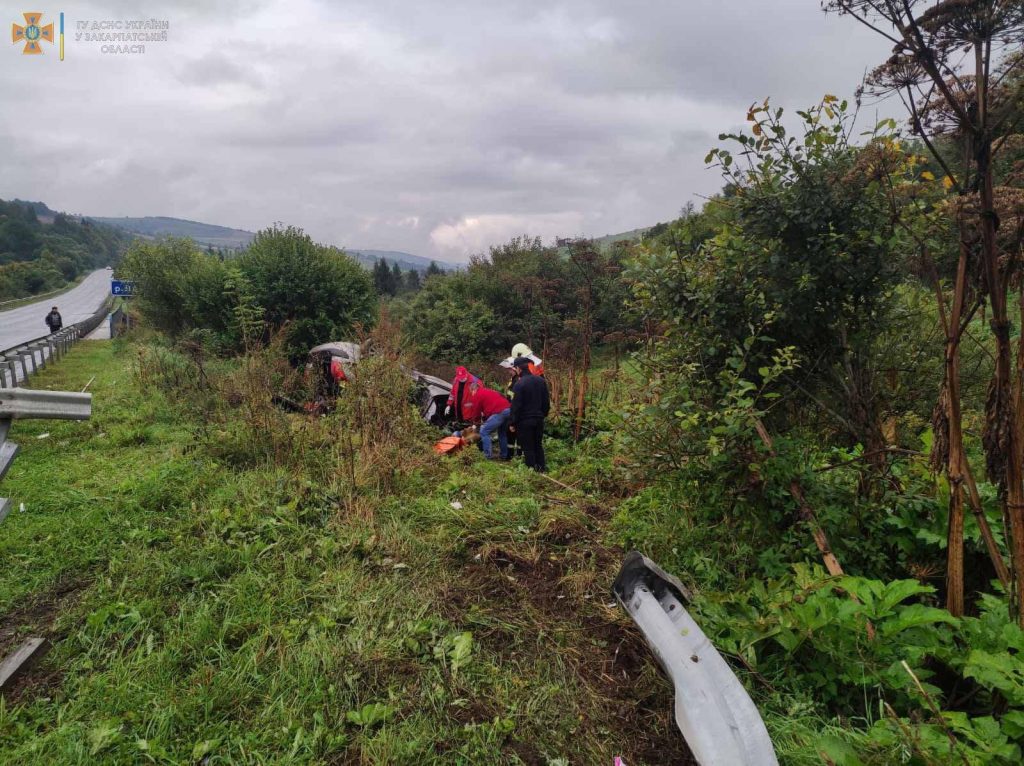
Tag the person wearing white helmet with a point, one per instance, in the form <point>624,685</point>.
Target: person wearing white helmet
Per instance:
<point>522,350</point>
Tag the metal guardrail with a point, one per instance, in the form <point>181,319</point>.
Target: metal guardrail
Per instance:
<point>17,364</point>
<point>25,359</point>
<point>21,403</point>
<point>718,719</point>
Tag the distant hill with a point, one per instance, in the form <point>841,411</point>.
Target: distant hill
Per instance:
<point>153,227</point>
<point>405,261</point>
<point>627,236</point>
<point>42,211</point>
<point>635,235</point>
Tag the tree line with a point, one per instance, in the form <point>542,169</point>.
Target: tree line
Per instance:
<point>36,257</point>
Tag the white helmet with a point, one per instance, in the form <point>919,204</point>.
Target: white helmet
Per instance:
<point>521,349</point>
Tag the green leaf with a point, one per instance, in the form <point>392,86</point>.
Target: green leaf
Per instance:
<point>1013,724</point>
<point>204,748</point>
<point>838,751</point>
<point>898,591</point>
<point>462,649</point>
<point>914,616</point>
<point>103,736</point>
<point>370,715</point>
<point>999,671</point>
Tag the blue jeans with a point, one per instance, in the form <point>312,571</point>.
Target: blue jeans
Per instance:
<point>497,423</point>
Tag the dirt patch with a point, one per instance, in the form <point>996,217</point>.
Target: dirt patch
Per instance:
<point>527,753</point>
<point>534,585</point>
<point>622,670</point>
<point>535,576</point>
<point>37,617</point>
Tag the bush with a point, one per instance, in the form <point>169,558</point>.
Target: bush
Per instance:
<point>316,293</point>
<point>180,287</point>
<point>447,323</point>
<point>284,283</point>
<point>521,292</point>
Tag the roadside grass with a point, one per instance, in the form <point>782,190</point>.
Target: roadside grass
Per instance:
<point>15,303</point>
<point>207,606</point>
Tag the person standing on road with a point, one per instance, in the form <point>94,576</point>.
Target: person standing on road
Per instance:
<point>531,403</point>
<point>53,320</point>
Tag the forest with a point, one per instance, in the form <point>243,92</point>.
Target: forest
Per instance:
<point>36,257</point>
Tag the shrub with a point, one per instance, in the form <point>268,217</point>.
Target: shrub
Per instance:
<point>316,293</point>
<point>283,283</point>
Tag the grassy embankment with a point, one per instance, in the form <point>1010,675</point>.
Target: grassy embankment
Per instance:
<point>211,606</point>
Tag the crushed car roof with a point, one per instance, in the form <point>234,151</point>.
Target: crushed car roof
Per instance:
<point>339,348</point>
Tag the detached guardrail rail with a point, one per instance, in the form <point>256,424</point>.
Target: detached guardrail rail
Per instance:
<point>720,722</point>
<point>19,362</point>
<point>22,403</point>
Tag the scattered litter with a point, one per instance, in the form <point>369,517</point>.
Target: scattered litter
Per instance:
<point>400,566</point>
<point>619,761</point>
<point>21,508</point>
<point>523,530</point>
<point>478,557</point>
<point>44,436</point>
<point>456,505</point>
<point>89,383</point>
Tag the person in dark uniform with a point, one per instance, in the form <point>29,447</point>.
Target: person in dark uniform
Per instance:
<point>531,403</point>
<point>54,320</point>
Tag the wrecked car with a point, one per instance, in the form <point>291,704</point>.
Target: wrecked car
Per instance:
<point>331,365</point>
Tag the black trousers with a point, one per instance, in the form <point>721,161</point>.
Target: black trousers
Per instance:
<point>531,438</point>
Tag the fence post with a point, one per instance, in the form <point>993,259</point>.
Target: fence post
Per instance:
<point>22,353</point>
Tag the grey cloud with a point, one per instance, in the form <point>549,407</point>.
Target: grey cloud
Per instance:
<point>475,119</point>
<point>215,68</point>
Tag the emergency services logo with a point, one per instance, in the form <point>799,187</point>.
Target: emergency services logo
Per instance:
<point>32,34</point>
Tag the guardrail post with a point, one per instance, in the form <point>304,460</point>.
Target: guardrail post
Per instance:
<point>24,365</point>
<point>7,452</point>
<point>30,354</point>
<point>10,363</point>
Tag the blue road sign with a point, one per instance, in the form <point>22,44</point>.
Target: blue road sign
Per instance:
<point>122,287</point>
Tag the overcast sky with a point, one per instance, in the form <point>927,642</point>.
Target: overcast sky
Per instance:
<point>437,127</point>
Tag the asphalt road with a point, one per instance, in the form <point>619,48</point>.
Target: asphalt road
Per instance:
<point>27,322</point>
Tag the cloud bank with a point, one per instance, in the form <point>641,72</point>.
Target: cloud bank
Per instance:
<point>438,128</point>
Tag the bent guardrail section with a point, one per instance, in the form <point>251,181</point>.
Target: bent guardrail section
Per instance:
<point>20,403</point>
<point>720,722</point>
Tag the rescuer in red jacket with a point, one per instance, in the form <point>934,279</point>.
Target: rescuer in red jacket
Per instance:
<point>460,401</point>
<point>494,410</point>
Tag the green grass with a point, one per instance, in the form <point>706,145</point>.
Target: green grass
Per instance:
<point>210,612</point>
<point>15,303</point>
